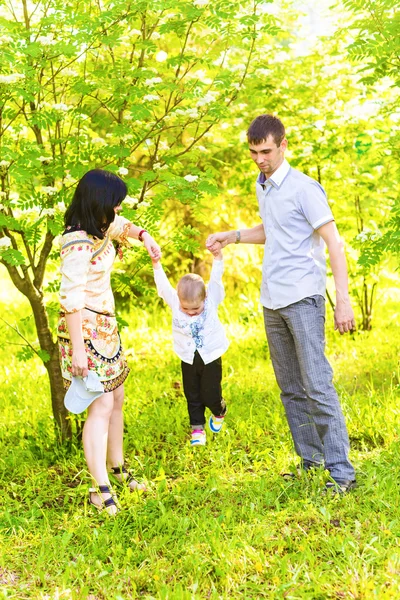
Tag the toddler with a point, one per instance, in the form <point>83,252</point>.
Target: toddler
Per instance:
<point>199,341</point>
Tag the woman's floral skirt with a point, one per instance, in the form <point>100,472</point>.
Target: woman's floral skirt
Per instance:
<point>103,347</point>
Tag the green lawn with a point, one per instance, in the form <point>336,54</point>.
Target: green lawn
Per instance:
<point>217,522</point>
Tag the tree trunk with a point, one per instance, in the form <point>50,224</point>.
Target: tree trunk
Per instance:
<point>47,344</point>
<point>52,365</point>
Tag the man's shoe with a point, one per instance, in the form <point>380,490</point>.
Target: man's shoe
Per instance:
<point>198,437</point>
<point>340,486</point>
<point>306,467</point>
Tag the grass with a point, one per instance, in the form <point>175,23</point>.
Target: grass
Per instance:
<point>218,522</point>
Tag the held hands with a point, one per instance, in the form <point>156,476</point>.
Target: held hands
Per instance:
<point>156,263</point>
<point>217,241</point>
<point>79,363</point>
<point>344,317</point>
<point>216,250</point>
<point>151,246</point>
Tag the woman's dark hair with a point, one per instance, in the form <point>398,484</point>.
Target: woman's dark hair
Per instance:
<point>264,126</point>
<point>95,197</point>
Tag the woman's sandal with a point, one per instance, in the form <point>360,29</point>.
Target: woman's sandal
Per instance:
<point>128,479</point>
<point>103,489</point>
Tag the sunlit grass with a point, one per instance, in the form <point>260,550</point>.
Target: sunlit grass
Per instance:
<point>218,522</point>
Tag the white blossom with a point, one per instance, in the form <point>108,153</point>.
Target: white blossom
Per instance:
<point>153,81</point>
<point>135,32</point>
<point>4,163</point>
<point>48,189</point>
<point>128,117</point>
<point>69,179</point>
<point>5,242</point>
<point>49,212</point>
<point>200,2</point>
<point>159,167</point>
<point>207,99</point>
<point>60,106</point>
<point>151,97</point>
<point>12,78</point>
<point>191,178</point>
<point>161,56</point>
<point>45,158</point>
<point>123,171</point>
<point>98,140</point>
<point>192,112</point>
<point>155,35</point>
<point>61,206</point>
<point>46,40</point>
<point>70,72</point>
<point>130,201</point>
<point>320,124</point>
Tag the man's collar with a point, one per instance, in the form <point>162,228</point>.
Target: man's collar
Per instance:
<point>276,178</point>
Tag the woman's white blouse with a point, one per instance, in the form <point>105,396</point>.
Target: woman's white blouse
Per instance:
<point>203,332</point>
<point>86,264</point>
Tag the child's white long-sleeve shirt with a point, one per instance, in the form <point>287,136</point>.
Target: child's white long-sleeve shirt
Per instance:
<point>203,332</point>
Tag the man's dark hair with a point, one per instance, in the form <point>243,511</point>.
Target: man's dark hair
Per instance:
<point>264,126</point>
<point>96,196</point>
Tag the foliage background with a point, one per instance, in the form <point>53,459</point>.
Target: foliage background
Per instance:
<point>162,93</point>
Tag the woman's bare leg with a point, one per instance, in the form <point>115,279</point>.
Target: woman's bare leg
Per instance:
<point>95,439</point>
<point>115,450</point>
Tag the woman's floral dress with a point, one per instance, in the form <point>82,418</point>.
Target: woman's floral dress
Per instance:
<point>86,264</point>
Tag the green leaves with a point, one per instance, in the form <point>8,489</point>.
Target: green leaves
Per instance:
<point>133,88</point>
<point>376,26</point>
<point>28,352</point>
<point>187,239</point>
<point>12,257</point>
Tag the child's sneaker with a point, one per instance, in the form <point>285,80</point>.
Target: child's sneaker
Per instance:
<point>198,437</point>
<point>215,423</point>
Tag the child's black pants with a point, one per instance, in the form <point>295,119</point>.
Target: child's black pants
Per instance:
<point>202,387</point>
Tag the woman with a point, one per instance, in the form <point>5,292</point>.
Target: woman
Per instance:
<point>87,330</point>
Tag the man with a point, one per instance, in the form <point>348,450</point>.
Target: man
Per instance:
<point>296,224</point>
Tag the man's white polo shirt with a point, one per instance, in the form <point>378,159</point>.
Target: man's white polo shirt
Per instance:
<point>292,207</point>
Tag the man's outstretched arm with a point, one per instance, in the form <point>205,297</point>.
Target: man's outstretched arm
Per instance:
<point>255,235</point>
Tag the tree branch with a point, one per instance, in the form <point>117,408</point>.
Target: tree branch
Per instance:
<point>41,266</point>
<point>27,343</point>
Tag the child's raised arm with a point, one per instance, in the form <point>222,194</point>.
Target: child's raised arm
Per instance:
<point>215,288</point>
<point>164,288</point>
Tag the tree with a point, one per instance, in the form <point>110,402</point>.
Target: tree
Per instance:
<point>335,136</point>
<point>131,87</point>
<point>376,39</point>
